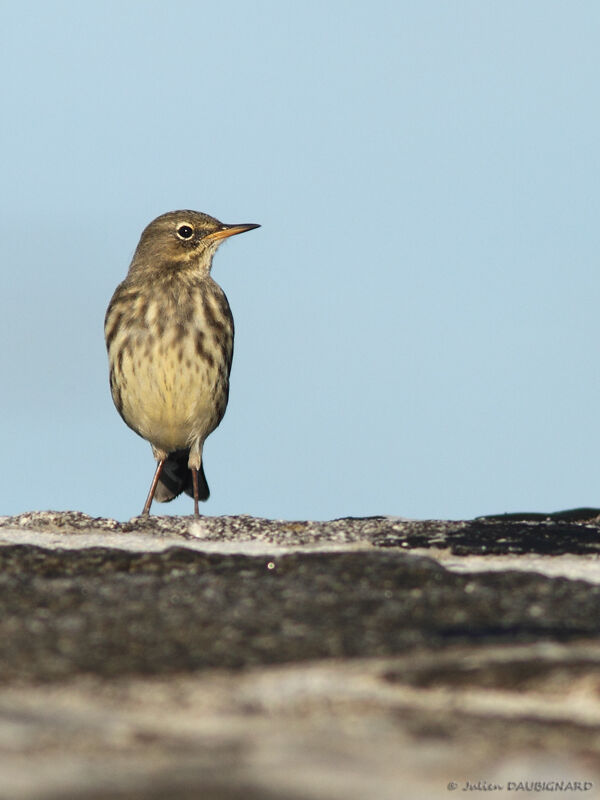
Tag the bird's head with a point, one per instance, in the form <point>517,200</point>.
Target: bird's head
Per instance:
<point>181,239</point>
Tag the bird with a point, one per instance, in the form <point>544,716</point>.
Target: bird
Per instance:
<point>169,336</point>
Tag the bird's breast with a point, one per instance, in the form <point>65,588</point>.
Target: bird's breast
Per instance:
<point>170,366</point>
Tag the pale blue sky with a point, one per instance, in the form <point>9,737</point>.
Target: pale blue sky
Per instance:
<point>417,319</point>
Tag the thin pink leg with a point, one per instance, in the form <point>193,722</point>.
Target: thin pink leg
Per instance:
<point>153,486</point>
<point>196,492</point>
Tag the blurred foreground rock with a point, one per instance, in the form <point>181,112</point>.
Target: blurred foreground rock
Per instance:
<point>237,657</point>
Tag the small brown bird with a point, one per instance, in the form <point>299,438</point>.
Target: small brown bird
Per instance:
<point>169,336</point>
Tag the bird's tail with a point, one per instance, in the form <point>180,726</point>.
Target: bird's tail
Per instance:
<point>176,477</point>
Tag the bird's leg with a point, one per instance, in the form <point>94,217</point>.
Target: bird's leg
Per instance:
<point>194,463</point>
<point>196,492</point>
<point>153,486</point>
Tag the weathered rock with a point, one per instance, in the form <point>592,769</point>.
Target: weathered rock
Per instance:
<point>237,657</point>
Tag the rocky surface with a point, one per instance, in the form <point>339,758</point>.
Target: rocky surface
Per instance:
<point>237,657</point>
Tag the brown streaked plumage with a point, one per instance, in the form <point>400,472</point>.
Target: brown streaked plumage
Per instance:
<point>169,336</point>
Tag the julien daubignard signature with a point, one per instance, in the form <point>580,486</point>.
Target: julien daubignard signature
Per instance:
<point>521,786</point>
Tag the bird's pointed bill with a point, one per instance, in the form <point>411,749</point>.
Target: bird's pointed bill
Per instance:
<point>231,230</point>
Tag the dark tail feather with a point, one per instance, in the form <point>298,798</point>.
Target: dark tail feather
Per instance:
<point>176,478</point>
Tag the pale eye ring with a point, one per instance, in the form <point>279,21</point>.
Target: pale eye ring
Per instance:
<point>185,232</point>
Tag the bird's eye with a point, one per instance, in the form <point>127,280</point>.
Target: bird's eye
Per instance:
<point>185,232</point>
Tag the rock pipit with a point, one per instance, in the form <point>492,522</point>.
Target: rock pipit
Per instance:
<point>169,336</point>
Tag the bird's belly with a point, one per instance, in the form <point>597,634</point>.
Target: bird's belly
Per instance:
<point>172,401</point>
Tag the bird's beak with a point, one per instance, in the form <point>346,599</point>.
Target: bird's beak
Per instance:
<point>231,230</point>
